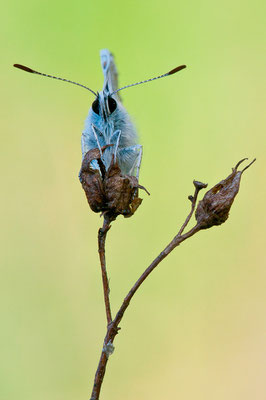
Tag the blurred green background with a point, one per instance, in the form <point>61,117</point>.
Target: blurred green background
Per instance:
<point>196,329</point>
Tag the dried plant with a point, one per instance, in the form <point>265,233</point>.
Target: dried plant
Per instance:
<point>115,194</point>
<point>109,191</point>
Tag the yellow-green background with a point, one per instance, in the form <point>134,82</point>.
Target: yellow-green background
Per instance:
<point>196,329</point>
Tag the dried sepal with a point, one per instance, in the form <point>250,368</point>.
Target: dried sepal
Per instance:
<point>214,208</point>
<point>91,181</point>
<point>121,191</point>
<point>109,191</point>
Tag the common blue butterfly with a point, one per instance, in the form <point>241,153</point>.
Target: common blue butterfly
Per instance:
<point>108,122</point>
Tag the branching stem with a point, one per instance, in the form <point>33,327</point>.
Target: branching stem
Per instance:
<point>193,199</point>
<point>112,328</point>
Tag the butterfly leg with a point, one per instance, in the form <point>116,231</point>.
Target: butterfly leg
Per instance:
<point>139,159</point>
<point>129,159</point>
<point>115,139</point>
<point>88,143</point>
<point>96,138</point>
<point>116,145</point>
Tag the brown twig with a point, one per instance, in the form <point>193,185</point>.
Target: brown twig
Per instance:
<point>198,186</point>
<point>101,249</point>
<point>112,329</point>
<point>212,210</point>
<point>177,240</point>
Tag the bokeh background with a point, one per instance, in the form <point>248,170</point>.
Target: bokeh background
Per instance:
<point>196,329</point>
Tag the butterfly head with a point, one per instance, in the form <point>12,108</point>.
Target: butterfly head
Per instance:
<point>104,104</point>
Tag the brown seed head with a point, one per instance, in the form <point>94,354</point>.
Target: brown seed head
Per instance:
<point>109,191</point>
<point>214,208</point>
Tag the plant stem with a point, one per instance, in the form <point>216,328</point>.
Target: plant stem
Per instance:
<point>213,210</point>
<point>170,247</point>
<point>101,249</point>
<point>112,329</point>
<point>193,199</point>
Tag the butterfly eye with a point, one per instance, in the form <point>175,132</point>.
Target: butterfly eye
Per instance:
<point>96,107</point>
<point>112,104</point>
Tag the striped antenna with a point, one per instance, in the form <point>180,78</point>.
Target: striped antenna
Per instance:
<point>27,69</point>
<point>173,71</point>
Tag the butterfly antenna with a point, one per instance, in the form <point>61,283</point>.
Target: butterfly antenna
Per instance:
<point>27,69</point>
<point>173,71</point>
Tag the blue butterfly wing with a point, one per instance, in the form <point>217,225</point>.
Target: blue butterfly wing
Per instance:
<point>109,72</point>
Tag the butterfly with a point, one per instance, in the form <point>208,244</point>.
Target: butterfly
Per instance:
<point>108,122</point>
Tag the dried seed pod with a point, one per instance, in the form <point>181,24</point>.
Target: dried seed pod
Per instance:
<point>214,208</point>
<point>121,191</point>
<point>109,191</point>
<point>91,181</point>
